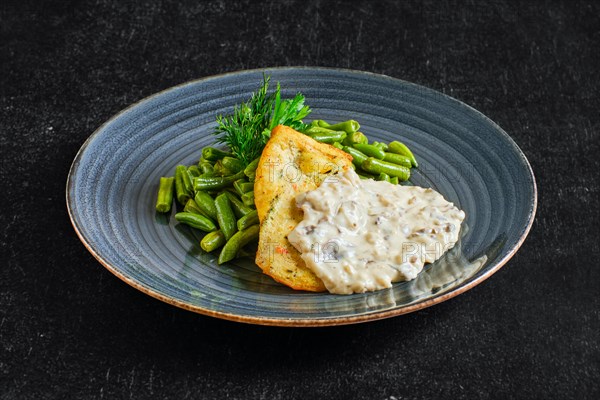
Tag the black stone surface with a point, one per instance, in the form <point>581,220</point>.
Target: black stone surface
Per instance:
<point>70,329</point>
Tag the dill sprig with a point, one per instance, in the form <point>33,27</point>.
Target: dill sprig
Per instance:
<point>248,129</point>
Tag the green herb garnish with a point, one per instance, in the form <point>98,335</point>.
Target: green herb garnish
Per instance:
<point>289,112</point>
<point>248,129</point>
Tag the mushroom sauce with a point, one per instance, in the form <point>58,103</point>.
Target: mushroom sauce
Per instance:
<point>362,235</point>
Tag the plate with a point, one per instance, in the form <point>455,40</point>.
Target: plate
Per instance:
<point>111,192</point>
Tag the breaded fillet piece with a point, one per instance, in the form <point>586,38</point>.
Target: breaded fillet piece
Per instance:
<point>291,163</point>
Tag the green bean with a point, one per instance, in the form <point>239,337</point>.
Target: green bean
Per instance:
<point>206,204</point>
<point>355,137</point>
<point>250,170</point>
<point>212,174</point>
<point>205,166</point>
<point>187,178</point>
<point>394,180</point>
<point>248,220</point>
<point>338,145</point>
<point>397,159</point>
<point>212,241</point>
<point>242,186</point>
<point>216,182</point>
<point>400,148</point>
<point>192,207</point>
<point>196,221</point>
<point>238,207</point>
<point>183,185</point>
<point>165,194</point>
<point>376,166</point>
<point>248,199</point>
<point>212,154</point>
<point>317,122</point>
<point>383,177</point>
<point>232,164</point>
<point>329,137</point>
<point>194,171</point>
<point>225,216</point>
<point>370,150</point>
<point>313,130</point>
<point>237,241</point>
<point>320,122</point>
<point>221,170</point>
<point>348,126</point>
<point>381,145</point>
<point>357,156</point>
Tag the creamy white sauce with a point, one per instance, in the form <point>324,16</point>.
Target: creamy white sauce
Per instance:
<point>362,235</point>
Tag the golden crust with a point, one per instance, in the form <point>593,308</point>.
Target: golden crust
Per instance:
<point>291,163</point>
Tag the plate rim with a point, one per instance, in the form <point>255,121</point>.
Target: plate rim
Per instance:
<point>302,322</point>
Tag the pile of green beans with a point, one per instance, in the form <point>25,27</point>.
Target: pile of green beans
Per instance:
<point>217,197</point>
<point>389,162</point>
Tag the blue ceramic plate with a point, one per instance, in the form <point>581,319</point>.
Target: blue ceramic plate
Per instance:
<point>111,192</point>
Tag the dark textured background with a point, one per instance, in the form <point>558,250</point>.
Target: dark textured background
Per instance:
<point>70,329</point>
